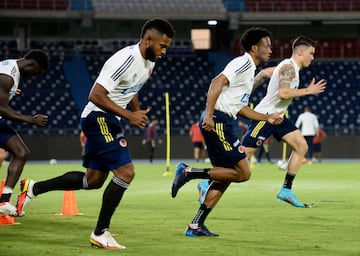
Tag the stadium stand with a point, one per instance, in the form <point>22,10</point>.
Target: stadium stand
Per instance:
<point>159,6</point>
<point>35,4</point>
<point>81,5</point>
<point>185,77</point>
<point>185,6</point>
<point>184,73</point>
<point>326,48</point>
<point>301,6</point>
<point>235,6</point>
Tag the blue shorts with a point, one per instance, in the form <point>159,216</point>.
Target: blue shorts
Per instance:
<point>259,131</point>
<point>223,146</point>
<point>6,132</point>
<point>106,147</point>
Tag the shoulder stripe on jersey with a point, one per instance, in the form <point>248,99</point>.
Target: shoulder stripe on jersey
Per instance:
<point>244,67</point>
<point>122,68</point>
<point>13,71</point>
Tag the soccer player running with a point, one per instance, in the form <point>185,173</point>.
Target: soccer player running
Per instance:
<point>117,85</point>
<point>228,97</point>
<point>34,63</point>
<point>282,88</point>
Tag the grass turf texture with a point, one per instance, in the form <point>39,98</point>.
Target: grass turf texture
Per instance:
<point>249,218</point>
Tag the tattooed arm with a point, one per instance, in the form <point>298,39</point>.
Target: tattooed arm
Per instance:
<point>262,76</point>
<point>286,75</point>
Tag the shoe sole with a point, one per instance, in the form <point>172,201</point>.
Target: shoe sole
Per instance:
<point>96,244</point>
<point>191,234</point>
<point>24,185</point>
<point>290,201</point>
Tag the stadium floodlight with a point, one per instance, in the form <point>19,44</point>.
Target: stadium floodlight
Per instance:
<point>212,22</point>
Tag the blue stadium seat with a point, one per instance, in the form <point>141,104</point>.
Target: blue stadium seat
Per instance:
<point>186,78</point>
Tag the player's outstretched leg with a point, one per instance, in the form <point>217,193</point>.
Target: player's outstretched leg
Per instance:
<point>180,178</point>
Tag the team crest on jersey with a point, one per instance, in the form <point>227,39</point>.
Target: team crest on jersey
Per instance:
<point>259,142</point>
<point>134,78</point>
<point>241,149</point>
<point>123,143</point>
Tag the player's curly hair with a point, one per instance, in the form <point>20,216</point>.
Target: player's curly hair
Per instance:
<point>252,36</point>
<point>40,56</point>
<point>303,40</point>
<point>161,25</point>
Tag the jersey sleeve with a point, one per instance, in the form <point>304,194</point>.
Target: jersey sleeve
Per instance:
<point>7,68</point>
<point>234,67</point>
<point>114,69</point>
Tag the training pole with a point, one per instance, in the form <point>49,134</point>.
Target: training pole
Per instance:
<point>284,143</point>
<point>252,159</point>
<point>167,111</point>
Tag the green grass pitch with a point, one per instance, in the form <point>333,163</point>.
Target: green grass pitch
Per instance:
<point>249,219</point>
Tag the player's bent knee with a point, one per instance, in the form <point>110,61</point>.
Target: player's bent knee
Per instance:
<point>126,173</point>
<point>22,153</point>
<point>243,176</point>
<point>302,148</point>
<point>94,185</point>
<point>246,177</point>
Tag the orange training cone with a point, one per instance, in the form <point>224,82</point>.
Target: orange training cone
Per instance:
<point>6,219</point>
<point>69,206</point>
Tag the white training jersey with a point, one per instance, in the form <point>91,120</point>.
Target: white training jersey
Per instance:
<point>272,103</point>
<point>308,124</point>
<point>123,75</point>
<point>240,72</point>
<point>10,68</point>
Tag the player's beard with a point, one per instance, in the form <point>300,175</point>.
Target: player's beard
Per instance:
<point>150,54</point>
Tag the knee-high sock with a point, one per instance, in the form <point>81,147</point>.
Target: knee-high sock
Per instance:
<point>111,199</point>
<point>201,215</point>
<point>73,180</point>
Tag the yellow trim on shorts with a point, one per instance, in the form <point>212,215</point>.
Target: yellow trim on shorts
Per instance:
<point>219,127</point>
<point>257,129</point>
<point>104,129</point>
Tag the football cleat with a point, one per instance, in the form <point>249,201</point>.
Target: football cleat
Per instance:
<point>200,231</point>
<point>203,187</point>
<point>26,195</point>
<point>180,178</point>
<point>286,195</point>
<point>105,241</point>
<point>8,209</point>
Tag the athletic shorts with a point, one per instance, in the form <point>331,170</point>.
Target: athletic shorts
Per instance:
<point>223,146</point>
<point>6,132</point>
<point>198,145</point>
<point>317,148</point>
<point>106,147</point>
<point>259,131</point>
